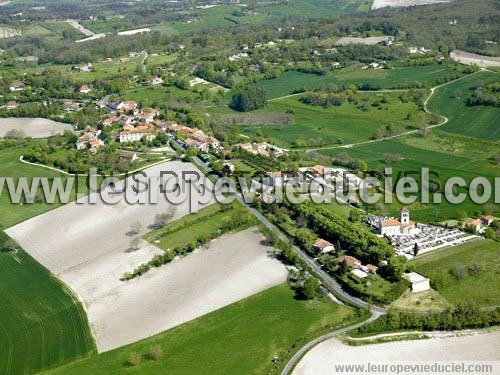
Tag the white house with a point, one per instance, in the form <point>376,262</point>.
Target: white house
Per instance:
<point>323,246</point>
<point>418,282</point>
<point>156,81</point>
<point>85,89</point>
<point>136,135</point>
<point>17,86</point>
<point>11,105</point>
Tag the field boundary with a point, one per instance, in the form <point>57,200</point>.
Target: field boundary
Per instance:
<point>21,159</point>
<point>433,90</point>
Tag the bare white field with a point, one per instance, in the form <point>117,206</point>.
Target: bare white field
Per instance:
<point>346,40</point>
<point>473,58</point>
<point>233,267</point>
<point>88,248</point>
<point>33,127</point>
<point>404,3</point>
<point>323,358</point>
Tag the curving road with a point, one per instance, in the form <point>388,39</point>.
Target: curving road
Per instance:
<point>328,281</point>
<point>297,356</point>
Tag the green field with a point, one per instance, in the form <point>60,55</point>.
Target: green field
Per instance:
<point>466,273</point>
<point>443,153</point>
<point>348,122</point>
<point>42,324</point>
<point>150,96</point>
<point>385,78</point>
<point>241,338</point>
<point>206,222</point>
<point>12,213</point>
<point>476,121</point>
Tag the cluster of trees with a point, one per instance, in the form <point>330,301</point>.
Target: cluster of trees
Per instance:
<point>355,237</point>
<point>488,95</point>
<point>331,96</point>
<point>344,160</point>
<point>458,317</point>
<point>248,99</point>
<point>238,219</point>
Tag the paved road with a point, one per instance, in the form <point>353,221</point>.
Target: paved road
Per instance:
<point>297,356</point>
<point>328,281</point>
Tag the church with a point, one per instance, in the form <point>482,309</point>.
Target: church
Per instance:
<point>393,226</point>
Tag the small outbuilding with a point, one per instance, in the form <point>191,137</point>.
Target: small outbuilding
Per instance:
<point>418,282</point>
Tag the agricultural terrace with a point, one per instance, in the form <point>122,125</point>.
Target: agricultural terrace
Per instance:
<point>240,338</point>
<point>478,121</point>
<point>364,118</point>
<point>444,153</point>
<point>43,324</point>
<point>466,273</point>
<point>206,224</point>
<point>291,81</point>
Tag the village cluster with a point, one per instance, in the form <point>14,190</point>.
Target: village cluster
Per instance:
<point>137,125</point>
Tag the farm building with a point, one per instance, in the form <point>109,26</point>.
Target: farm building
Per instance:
<point>418,282</point>
<point>17,86</point>
<point>323,246</point>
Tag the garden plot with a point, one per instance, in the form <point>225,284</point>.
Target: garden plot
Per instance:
<point>89,248</point>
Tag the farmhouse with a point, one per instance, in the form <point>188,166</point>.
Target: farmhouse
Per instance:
<point>323,246</point>
<point>11,105</point>
<point>114,106</point>
<point>238,56</point>
<point>351,262</point>
<point>17,86</point>
<point>70,106</point>
<point>147,116</point>
<point>137,134</point>
<point>197,81</point>
<point>156,81</point>
<point>89,141</point>
<point>129,107</point>
<point>85,89</point>
<point>476,224</point>
<point>418,282</point>
<point>130,156</point>
<point>372,268</point>
<point>265,149</point>
<point>84,68</point>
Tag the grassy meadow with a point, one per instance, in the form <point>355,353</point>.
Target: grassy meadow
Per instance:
<point>472,121</point>
<point>448,156</point>
<point>289,81</point>
<point>205,222</point>
<point>42,323</point>
<point>13,213</point>
<point>239,338</point>
<point>466,273</point>
<point>351,122</point>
